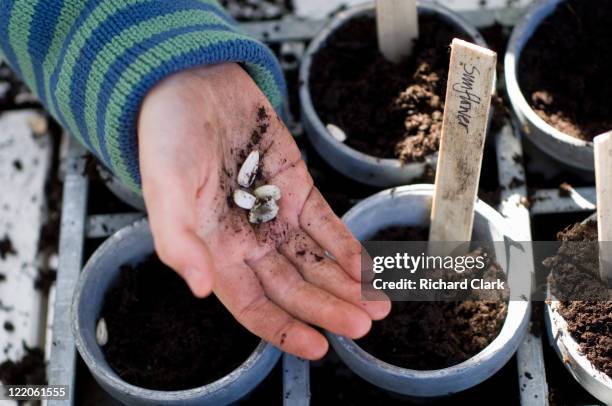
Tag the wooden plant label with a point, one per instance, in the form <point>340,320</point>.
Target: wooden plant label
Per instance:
<point>471,80</point>
<point>397,26</point>
<point>603,178</point>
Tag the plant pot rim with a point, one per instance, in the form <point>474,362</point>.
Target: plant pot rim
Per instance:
<point>590,378</point>
<point>110,378</point>
<point>596,382</point>
<point>521,35</point>
<point>308,109</point>
<point>505,343</point>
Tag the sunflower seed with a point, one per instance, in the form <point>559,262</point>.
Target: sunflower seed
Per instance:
<point>101,333</point>
<point>248,171</point>
<point>336,132</point>
<point>263,211</point>
<point>268,192</point>
<point>244,199</point>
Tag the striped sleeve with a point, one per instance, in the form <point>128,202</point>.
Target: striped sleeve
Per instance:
<point>91,62</point>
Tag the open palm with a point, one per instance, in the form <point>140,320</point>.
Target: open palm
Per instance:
<point>195,130</point>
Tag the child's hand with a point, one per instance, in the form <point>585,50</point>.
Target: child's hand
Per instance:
<point>194,130</point>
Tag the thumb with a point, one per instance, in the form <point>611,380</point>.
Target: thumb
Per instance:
<point>182,250</point>
<point>176,243</point>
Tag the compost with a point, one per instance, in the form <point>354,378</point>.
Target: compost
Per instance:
<point>564,70</point>
<point>386,110</point>
<point>162,337</point>
<point>576,266</point>
<point>432,335</point>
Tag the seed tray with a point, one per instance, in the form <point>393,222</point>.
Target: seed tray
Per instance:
<point>528,378</point>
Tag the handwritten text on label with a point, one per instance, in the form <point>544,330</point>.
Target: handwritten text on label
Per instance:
<point>467,97</point>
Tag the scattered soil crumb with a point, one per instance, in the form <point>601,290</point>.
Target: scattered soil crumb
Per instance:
<point>29,370</point>
<point>44,280</point>
<point>260,129</point>
<point>8,326</point>
<point>6,247</point>
<point>262,124</point>
<point>516,183</point>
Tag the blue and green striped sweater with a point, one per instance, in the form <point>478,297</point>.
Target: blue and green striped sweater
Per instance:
<point>91,62</point>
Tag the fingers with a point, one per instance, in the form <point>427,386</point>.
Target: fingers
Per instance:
<point>240,291</point>
<point>284,285</point>
<point>318,269</point>
<point>320,222</point>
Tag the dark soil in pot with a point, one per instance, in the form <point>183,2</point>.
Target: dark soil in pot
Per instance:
<point>386,110</point>
<point>332,382</point>
<point>162,337</point>
<point>432,335</point>
<point>89,393</point>
<point>575,270</point>
<point>564,69</point>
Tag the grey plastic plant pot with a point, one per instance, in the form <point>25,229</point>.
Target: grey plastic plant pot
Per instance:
<point>122,192</point>
<point>411,206</point>
<point>364,168</point>
<point>575,361</point>
<point>569,151</point>
<point>131,245</point>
